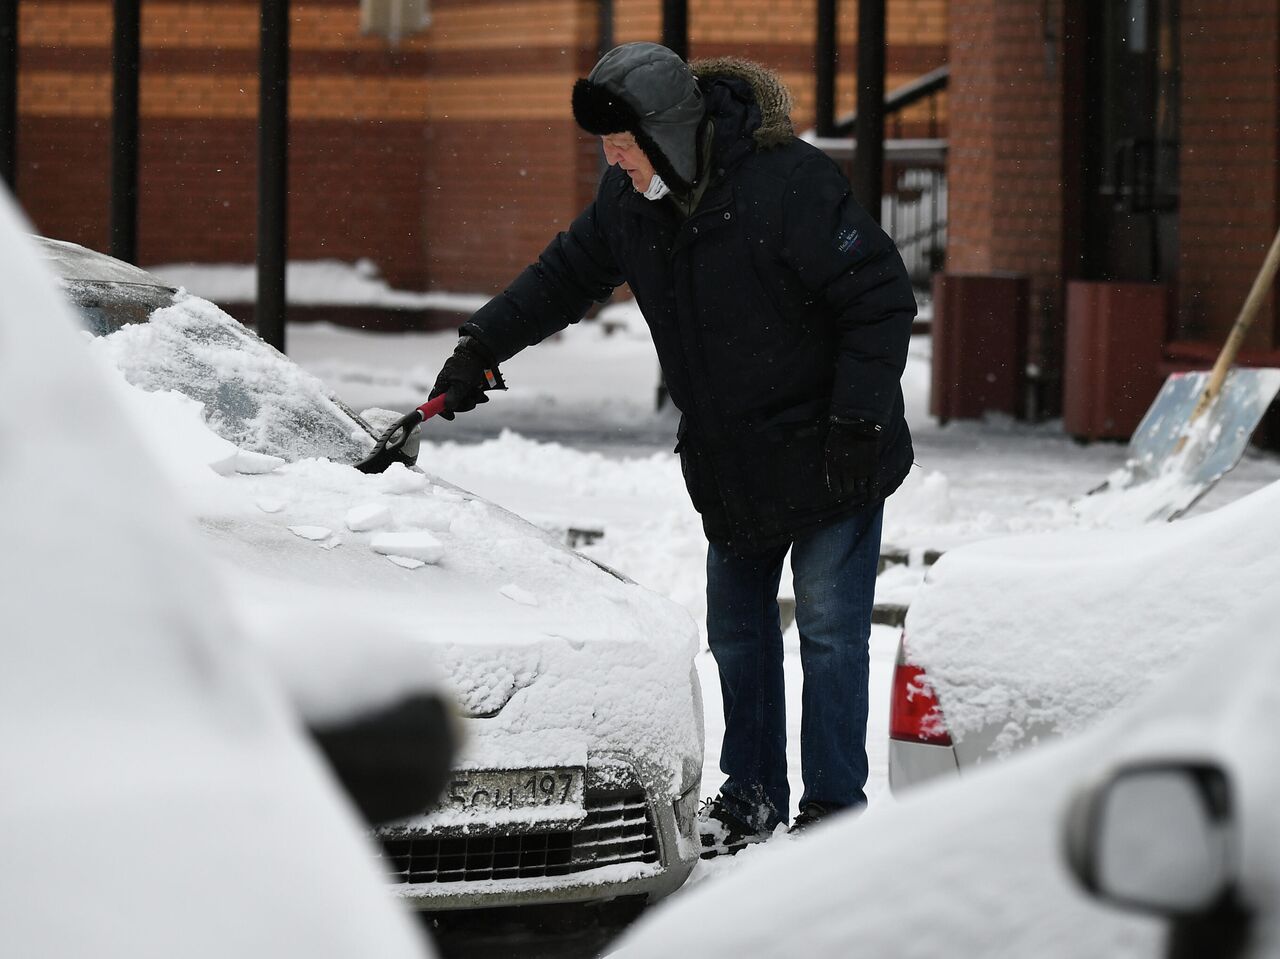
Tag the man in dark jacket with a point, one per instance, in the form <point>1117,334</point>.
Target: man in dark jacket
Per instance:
<point>781,315</point>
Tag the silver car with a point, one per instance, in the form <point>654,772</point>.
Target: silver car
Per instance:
<point>580,710</point>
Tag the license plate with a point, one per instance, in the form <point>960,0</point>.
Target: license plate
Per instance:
<point>483,790</point>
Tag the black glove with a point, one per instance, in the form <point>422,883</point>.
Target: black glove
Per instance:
<point>464,378</point>
<point>853,458</point>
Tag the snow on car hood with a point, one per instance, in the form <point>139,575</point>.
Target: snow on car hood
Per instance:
<point>552,656</point>
<point>1051,630</point>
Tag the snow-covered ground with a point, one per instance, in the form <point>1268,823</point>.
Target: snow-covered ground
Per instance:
<point>576,444</point>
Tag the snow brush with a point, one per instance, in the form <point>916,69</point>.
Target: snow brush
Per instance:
<point>390,446</point>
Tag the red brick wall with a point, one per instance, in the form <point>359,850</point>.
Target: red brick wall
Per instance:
<point>357,144</point>
<point>496,192</point>
<point>1230,163</point>
<point>450,160</point>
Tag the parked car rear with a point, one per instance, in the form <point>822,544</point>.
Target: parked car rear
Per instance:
<point>1014,642</point>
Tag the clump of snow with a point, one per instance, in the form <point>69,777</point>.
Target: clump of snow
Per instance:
<point>419,545</point>
<point>368,516</point>
<point>315,533</point>
<point>247,461</point>
<point>398,478</point>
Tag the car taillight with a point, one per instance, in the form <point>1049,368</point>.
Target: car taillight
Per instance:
<point>914,715</point>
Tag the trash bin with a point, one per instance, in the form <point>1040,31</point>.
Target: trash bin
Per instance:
<point>979,345</point>
<point>1113,365</point>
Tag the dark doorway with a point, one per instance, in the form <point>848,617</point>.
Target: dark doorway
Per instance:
<point>1131,141</point>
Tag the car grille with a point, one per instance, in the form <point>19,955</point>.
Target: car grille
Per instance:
<point>618,828</point>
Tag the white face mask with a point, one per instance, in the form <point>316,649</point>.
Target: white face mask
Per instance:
<point>657,189</point>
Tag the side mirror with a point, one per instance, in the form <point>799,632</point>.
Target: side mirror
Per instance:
<point>1158,837</point>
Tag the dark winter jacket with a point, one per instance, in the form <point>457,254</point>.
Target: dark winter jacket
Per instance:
<point>777,304</point>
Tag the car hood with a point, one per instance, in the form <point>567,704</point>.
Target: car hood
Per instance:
<point>1047,632</point>
<point>550,657</point>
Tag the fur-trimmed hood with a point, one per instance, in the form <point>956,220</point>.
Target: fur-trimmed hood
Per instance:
<point>771,95</point>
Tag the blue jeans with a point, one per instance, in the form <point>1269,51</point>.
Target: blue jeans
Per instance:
<point>834,569</point>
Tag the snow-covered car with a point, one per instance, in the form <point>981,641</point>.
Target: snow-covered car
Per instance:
<point>158,798</point>
<point>1015,641</point>
<point>581,712</point>
<point>1171,805</point>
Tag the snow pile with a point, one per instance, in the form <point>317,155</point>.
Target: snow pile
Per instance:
<point>150,763</point>
<point>1055,629</point>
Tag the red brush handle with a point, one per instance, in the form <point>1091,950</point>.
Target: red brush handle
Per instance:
<point>432,406</point>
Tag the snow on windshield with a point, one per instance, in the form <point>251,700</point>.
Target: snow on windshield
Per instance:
<point>253,396</point>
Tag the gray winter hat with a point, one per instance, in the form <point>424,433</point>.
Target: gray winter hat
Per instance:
<point>646,90</point>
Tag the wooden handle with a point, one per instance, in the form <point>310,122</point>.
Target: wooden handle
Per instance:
<point>1261,284</point>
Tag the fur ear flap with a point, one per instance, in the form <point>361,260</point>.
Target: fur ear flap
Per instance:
<point>661,165</point>
<point>600,112</point>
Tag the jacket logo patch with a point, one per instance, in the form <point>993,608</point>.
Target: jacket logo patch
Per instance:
<point>848,240</point>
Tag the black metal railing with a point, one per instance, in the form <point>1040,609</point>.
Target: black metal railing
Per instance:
<point>914,208</point>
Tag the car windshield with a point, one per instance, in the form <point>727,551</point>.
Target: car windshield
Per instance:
<point>164,339</point>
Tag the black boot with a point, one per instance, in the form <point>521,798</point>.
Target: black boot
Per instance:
<point>811,813</point>
<point>722,833</point>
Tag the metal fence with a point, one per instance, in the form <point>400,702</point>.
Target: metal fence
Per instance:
<point>914,207</point>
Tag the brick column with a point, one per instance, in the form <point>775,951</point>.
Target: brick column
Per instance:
<point>1230,163</point>
<point>1006,157</point>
